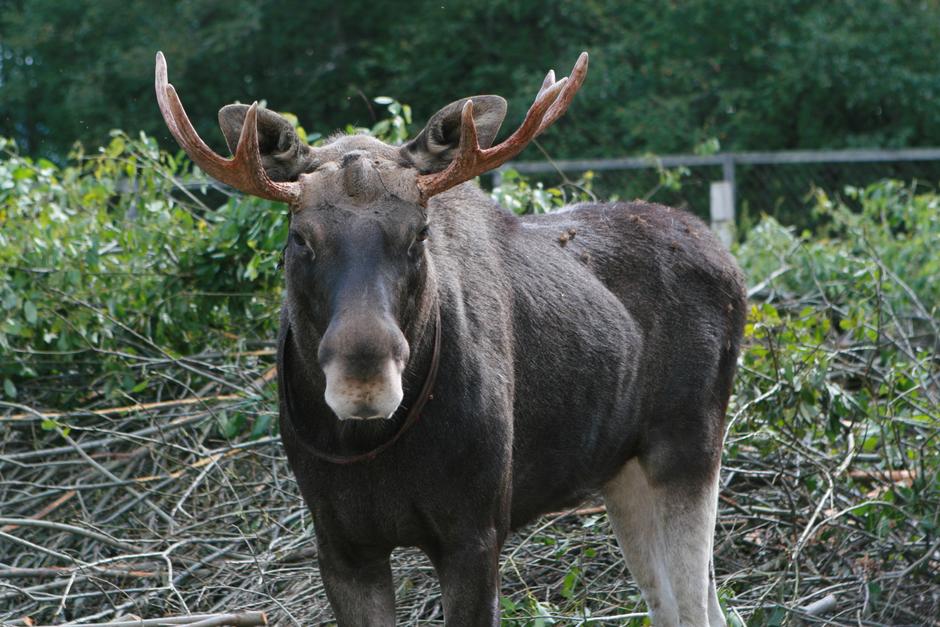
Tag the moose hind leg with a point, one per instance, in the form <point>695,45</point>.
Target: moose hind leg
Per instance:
<point>688,519</point>
<point>632,510</point>
<point>665,533</point>
<point>716,617</point>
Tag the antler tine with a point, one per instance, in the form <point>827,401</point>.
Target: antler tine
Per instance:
<point>531,124</point>
<point>548,82</point>
<point>550,103</point>
<point>247,151</point>
<point>244,171</point>
<point>575,80</point>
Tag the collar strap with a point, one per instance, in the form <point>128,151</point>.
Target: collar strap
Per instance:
<point>414,414</point>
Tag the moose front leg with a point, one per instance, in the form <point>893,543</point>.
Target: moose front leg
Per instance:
<point>359,586</point>
<point>469,576</point>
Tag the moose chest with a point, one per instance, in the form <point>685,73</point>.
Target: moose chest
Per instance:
<point>432,485</point>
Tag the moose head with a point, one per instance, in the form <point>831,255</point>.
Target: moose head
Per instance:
<point>358,271</point>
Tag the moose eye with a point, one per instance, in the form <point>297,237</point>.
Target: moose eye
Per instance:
<point>423,233</point>
<point>298,240</point>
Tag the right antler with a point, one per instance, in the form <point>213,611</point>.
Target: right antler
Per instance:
<point>550,104</point>
<point>244,171</point>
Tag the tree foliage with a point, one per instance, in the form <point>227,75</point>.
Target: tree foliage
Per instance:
<point>664,77</point>
<point>108,258</point>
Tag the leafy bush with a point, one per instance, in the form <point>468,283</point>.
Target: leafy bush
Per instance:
<point>104,261</point>
<point>110,263</point>
<point>521,195</point>
<point>837,397</point>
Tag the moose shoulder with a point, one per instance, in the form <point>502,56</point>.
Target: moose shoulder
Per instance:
<point>449,371</point>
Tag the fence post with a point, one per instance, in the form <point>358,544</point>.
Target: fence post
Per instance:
<point>721,209</point>
<point>727,171</point>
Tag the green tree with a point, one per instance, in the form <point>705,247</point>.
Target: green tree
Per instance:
<point>664,77</point>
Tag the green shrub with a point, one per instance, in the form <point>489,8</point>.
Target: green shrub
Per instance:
<point>838,386</point>
<point>99,264</point>
<point>110,264</point>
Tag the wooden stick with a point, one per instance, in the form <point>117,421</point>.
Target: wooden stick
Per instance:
<point>585,511</point>
<point>45,510</point>
<point>176,474</point>
<point>248,619</point>
<point>16,572</point>
<point>126,409</point>
<point>241,619</point>
<point>267,376</point>
<point>57,526</point>
<point>894,476</point>
<point>823,606</point>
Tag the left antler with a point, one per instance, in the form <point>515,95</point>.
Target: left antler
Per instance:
<point>245,171</point>
<point>550,104</point>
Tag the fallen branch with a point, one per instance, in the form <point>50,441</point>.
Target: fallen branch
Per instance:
<point>124,409</point>
<point>823,606</point>
<point>44,511</point>
<point>248,619</point>
<point>13,523</point>
<point>63,571</point>
<point>584,511</point>
<point>85,445</point>
<point>242,619</point>
<point>894,476</point>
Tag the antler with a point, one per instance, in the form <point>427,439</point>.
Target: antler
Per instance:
<point>550,104</point>
<point>244,171</point>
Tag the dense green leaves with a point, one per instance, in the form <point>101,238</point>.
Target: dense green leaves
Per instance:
<point>664,76</point>
<point>840,370</point>
<point>845,324</point>
<point>99,263</point>
<point>108,265</point>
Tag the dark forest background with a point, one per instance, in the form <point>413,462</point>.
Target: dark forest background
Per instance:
<point>665,76</point>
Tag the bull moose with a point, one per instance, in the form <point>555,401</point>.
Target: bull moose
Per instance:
<point>449,371</point>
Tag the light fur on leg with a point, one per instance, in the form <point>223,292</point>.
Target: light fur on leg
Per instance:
<point>666,535</point>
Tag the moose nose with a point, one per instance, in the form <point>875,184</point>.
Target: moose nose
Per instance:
<point>363,361</point>
<point>354,398</point>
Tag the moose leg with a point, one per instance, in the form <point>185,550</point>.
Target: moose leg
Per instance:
<point>688,519</point>
<point>716,617</point>
<point>469,575</point>
<point>632,510</point>
<point>665,533</point>
<point>358,585</point>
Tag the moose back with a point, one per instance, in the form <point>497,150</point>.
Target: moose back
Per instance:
<point>449,371</point>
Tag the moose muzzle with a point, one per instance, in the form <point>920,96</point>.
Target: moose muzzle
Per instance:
<point>363,358</point>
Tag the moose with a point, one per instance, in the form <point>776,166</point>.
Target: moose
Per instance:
<point>449,371</point>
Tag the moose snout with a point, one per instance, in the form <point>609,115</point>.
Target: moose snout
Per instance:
<point>363,361</point>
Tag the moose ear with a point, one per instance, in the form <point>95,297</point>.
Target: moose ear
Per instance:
<point>435,146</point>
<point>283,154</point>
